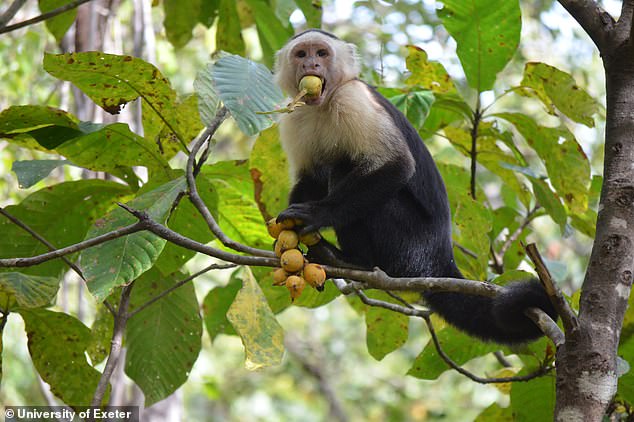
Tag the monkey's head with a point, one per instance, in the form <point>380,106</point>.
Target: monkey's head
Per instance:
<point>317,53</point>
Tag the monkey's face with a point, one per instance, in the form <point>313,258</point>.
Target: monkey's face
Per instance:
<point>314,58</point>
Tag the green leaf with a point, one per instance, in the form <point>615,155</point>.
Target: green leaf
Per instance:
<point>271,30</point>
<point>446,108</point>
<point>551,202</point>
<point>415,105</point>
<point>26,291</point>
<point>187,123</point>
<point>100,335</point>
<point>208,100</point>
<point>57,343</point>
<point>186,220</point>
<point>112,81</point>
<point>229,32</point>
<point>58,25</point>
<point>216,305</point>
<point>255,323</point>
<point>495,413</point>
<point>626,381</point>
<point>180,21</point>
<point>120,261</point>
<point>61,214</point>
<point>566,163</point>
<point>460,347</point>
<point>32,171</point>
<point>164,339</point>
<point>246,87</point>
<point>487,33</point>
<point>513,276</point>
<point>268,166</point>
<point>558,90</point>
<point>524,396</point>
<point>238,214</point>
<point>430,75</point>
<point>37,127</point>
<point>472,223</point>
<point>386,330</point>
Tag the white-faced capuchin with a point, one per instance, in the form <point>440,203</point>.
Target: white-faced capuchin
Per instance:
<point>360,167</point>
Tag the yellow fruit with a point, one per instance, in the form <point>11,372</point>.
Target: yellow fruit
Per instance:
<point>315,275</point>
<point>310,238</point>
<point>295,286</point>
<point>279,277</point>
<point>287,224</point>
<point>277,247</point>
<point>274,228</point>
<point>288,239</point>
<point>312,85</point>
<point>292,260</point>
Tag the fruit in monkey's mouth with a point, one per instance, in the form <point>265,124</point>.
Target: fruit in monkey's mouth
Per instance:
<point>312,85</point>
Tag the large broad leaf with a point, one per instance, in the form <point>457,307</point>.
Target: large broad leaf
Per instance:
<point>32,171</point>
<point>312,11</point>
<point>100,335</point>
<point>472,223</point>
<point>26,291</point>
<point>112,81</point>
<point>61,214</point>
<point>460,347</point>
<point>626,381</point>
<point>57,343</point>
<point>208,100</point>
<point>551,202</point>
<point>120,261</point>
<point>558,90</point>
<point>216,305</point>
<point>245,88</point>
<point>427,74</point>
<point>524,395</point>
<point>269,170</point>
<point>38,127</point>
<point>566,163</point>
<point>164,339</point>
<point>255,323</point>
<point>414,104</point>
<point>112,147</point>
<point>496,413</point>
<point>386,330</point>
<point>58,25</point>
<point>238,214</point>
<point>487,33</point>
<point>272,33</point>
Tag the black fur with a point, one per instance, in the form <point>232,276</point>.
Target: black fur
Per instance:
<point>328,34</point>
<point>402,223</point>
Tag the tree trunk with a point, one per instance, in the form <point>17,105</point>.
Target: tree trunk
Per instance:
<point>586,363</point>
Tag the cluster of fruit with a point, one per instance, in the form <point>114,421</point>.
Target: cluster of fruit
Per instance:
<point>296,271</point>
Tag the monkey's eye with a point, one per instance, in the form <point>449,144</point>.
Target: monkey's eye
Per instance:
<point>300,54</point>
<point>322,53</point>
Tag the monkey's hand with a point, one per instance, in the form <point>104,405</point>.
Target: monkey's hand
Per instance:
<point>313,215</point>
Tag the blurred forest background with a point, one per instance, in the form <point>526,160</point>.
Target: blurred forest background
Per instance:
<point>327,369</point>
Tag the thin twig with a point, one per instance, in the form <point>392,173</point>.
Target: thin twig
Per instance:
<point>547,325</point>
<point>120,322</point>
<point>565,311</point>
<point>41,239</point>
<point>516,234</point>
<point>543,370</point>
<point>44,16</point>
<point>179,284</point>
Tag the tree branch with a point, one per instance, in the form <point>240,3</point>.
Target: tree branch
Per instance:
<point>41,239</point>
<point>593,19</point>
<point>43,16</point>
<point>567,314</point>
<point>120,321</point>
<point>547,325</point>
<point>191,172</point>
<point>57,253</point>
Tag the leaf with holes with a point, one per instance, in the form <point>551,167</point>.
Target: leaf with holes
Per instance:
<point>120,261</point>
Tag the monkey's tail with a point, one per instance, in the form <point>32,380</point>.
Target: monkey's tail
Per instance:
<point>501,318</point>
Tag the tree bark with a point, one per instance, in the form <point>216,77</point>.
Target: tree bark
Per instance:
<point>586,362</point>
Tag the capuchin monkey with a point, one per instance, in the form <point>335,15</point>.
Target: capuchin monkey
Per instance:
<point>360,167</point>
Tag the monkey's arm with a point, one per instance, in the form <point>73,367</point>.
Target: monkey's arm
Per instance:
<point>352,197</point>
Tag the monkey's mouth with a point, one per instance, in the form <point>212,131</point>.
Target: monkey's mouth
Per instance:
<point>316,99</point>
